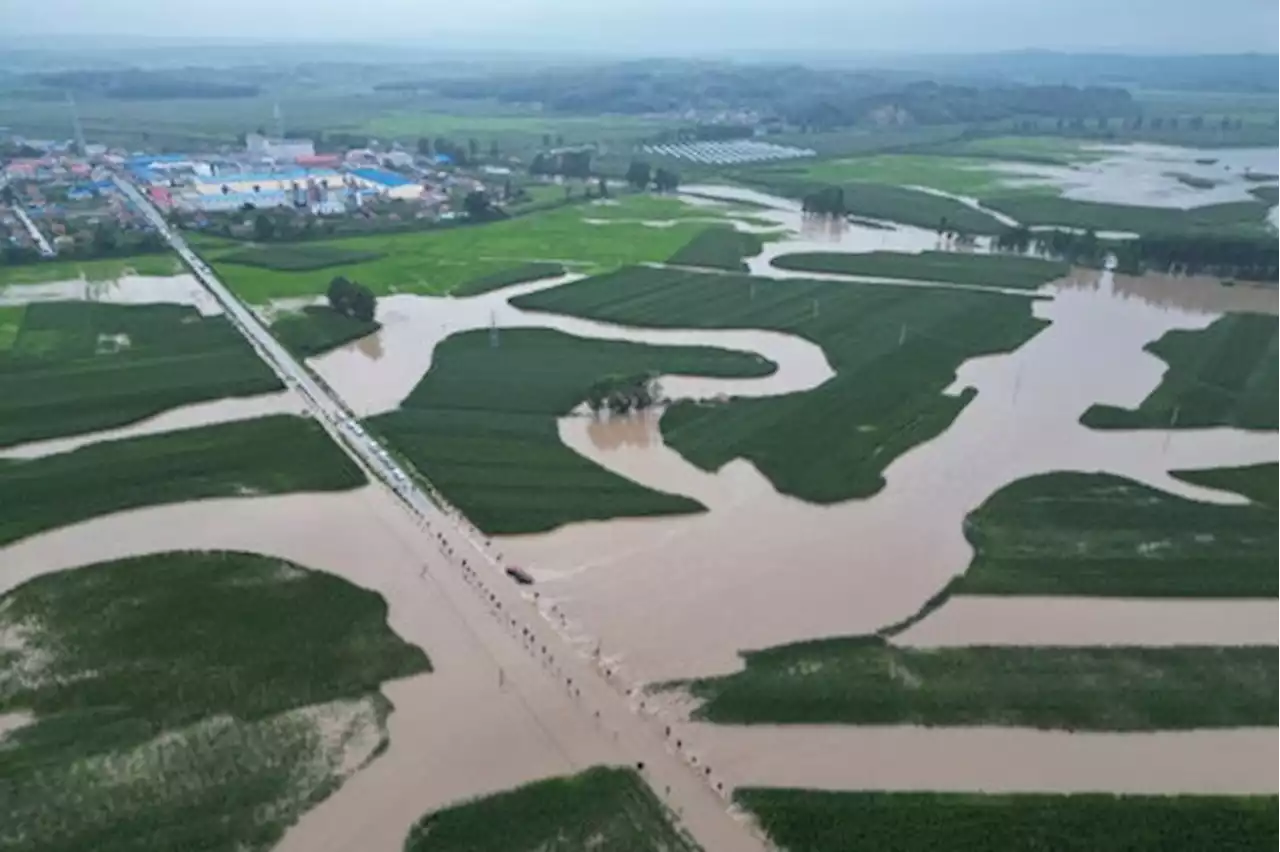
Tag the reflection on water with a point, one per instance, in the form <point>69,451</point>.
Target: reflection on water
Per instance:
<point>125,290</point>
<point>680,596</point>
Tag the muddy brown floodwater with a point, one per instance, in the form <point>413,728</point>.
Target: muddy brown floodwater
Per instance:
<point>125,290</point>
<point>680,597</point>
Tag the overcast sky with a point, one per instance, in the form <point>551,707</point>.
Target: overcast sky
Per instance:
<point>684,26</point>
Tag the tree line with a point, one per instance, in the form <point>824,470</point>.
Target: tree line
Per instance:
<point>622,394</point>
<point>641,176</point>
<point>352,299</point>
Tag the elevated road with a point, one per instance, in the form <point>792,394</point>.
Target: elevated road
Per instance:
<point>640,741</point>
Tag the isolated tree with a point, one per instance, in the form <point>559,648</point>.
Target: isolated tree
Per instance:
<point>473,148</point>
<point>546,140</point>
<point>477,205</point>
<point>494,153</point>
<point>264,229</point>
<point>638,174</point>
<point>364,305</point>
<point>424,146</point>
<point>340,294</point>
<point>604,188</point>
<point>559,141</point>
<point>666,180</point>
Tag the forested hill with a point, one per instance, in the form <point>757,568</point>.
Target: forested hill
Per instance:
<point>813,97</point>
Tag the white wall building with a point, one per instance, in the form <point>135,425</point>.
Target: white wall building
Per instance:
<point>267,148</point>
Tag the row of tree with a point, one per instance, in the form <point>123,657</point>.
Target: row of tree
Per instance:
<point>351,299</point>
<point>460,154</point>
<point>640,175</point>
<point>621,394</point>
<point>574,163</point>
<point>828,201</point>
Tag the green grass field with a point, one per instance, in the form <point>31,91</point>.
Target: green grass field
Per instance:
<point>1006,271</point>
<point>317,329</point>
<point>822,821</point>
<point>1223,375</point>
<point>77,367</point>
<point>888,202</point>
<point>601,808</point>
<point>959,175</point>
<point>507,277</point>
<point>440,261</point>
<point>481,426</point>
<point>719,248</point>
<point>297,258</point>
<point>1058,150</point>
<point>10,324</point>
<point>195,700</point>
<point>867,681</point>
<point>894,350</point>
<point>1098,534</point>
<point>1042,209</point>
<point>269,455</point>
<point>92,270</point>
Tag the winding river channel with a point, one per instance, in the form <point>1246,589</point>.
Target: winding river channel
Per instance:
<point>678,597</point>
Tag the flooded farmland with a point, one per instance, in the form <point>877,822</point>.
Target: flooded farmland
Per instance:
<point>679,597</point>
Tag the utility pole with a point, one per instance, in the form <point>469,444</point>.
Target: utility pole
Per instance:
<point>279,117</point>
<point>494,341</point>
<point>76,127</point>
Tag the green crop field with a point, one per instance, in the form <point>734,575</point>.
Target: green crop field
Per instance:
<point>822,821</point>
<point>958,175</point>
<point>92,270</point>
<point>441,260</point>
<point>269,455</point>
<point>10,325</point>
<point>867,681</point>
<point>1057,150</point>
<point>1258,482</point>
<point>507,277</point>
<point>719,248</point>
<point>317,329</point>
<point>297,258</point>
<point>1098,534</point>
<point>193,700</point>
<point>894,350</point>
<point>1223,375</point>
<point>481,425</point>
<point>885,201</point>
<point>77,367</point>
<point>601,808</point>
<point>1041,209</point>
<point>988,270</point>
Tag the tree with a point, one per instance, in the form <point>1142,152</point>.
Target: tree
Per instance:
<point>604,188</point>
<point>351,299</point>
<point>424,146</point>
<point>477,205</point>
<point>263,228</point>
<point>473,149</point>
<point>638,174</point>
<point>364,305</point>
<point>546,140</point>
<point>493,149</point>
<point>665,180</point>
<point>559,141</point>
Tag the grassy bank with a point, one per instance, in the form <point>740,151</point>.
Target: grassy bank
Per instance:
<point>894,350</point>
<point>317,329</point>
<point>210,700</point>
<point>821,821</point>
<point>269,455</point>
<point>1223,375</point>
<point>1040,209</point>
<point>481,425</point>
<point>719,248</point>
<point>92,270</point>
<point>1007,271</point>
<point>866,681</point>
<point>440,261</point>
<point>76,367</point>
<point>601,808</point>
<point>1098,534</point>
<point>507,277</point>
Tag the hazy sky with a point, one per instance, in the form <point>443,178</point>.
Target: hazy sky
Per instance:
<point>684,26</point>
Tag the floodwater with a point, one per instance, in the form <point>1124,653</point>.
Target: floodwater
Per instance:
<point>224,410</point>
<point>494,713</point>
<point>679,597</point>
<point>125,290</point>
<point>373,378</point>
<point>1067,621</point>
<point>1143,175</point>
<point>993,760</point>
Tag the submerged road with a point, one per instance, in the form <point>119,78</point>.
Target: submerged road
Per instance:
<point>690,790</point>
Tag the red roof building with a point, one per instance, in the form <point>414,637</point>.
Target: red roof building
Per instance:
<point>319,161</point>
